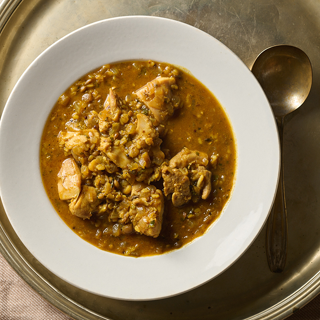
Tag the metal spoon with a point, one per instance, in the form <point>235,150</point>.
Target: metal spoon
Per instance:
<point>285,74</point>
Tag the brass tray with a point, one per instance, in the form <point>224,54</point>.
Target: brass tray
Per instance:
<point>247,290</point>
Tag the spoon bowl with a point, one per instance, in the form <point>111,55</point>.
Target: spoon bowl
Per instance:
<point>285,74</point>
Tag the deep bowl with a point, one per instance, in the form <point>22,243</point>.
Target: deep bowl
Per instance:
<point>35,220</point>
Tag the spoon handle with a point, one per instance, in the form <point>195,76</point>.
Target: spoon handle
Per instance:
<point>277,225</point>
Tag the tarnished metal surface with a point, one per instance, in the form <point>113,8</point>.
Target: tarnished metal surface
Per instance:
<point>248,289</point>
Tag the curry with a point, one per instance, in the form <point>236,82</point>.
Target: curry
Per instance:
<point>138,158</point>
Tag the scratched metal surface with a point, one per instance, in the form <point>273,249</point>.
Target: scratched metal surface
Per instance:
<point>247,289</point>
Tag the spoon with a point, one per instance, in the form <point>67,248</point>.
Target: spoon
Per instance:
<point>285,74</point>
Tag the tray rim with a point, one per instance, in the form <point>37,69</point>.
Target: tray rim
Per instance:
<point>7,7</point>
<point>44,288</point>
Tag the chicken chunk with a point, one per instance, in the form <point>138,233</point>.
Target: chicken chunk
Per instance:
<point>92,119</point>
<point>118,156</point>
<point>123,211</point>
<point>202,177</point>
<point>176,181</point>
<point>188,157</point>
<point>105,143</point>
<point>145,130</point>
<point>69,180</point>
<point>156,95</point>
<point>157,155</point>
<point>144,137</point>
<point>80,142</point>
<point>186,177</point>
<point>146,212</point>
<point>111,112</point>
<point>85,204</point>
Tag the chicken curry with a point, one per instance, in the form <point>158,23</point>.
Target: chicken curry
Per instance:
<point>138,158</point>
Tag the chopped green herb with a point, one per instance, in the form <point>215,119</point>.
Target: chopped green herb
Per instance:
<point>144,110</point>
<point>152,223</point>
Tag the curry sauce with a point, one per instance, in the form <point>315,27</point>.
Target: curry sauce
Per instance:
<point>190,122</point>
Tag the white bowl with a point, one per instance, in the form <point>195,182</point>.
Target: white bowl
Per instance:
<point>35,220</point>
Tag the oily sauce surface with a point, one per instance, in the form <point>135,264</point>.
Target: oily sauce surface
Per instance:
<point>200,124</point>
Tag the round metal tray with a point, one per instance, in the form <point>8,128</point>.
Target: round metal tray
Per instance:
<point>247,290</point>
